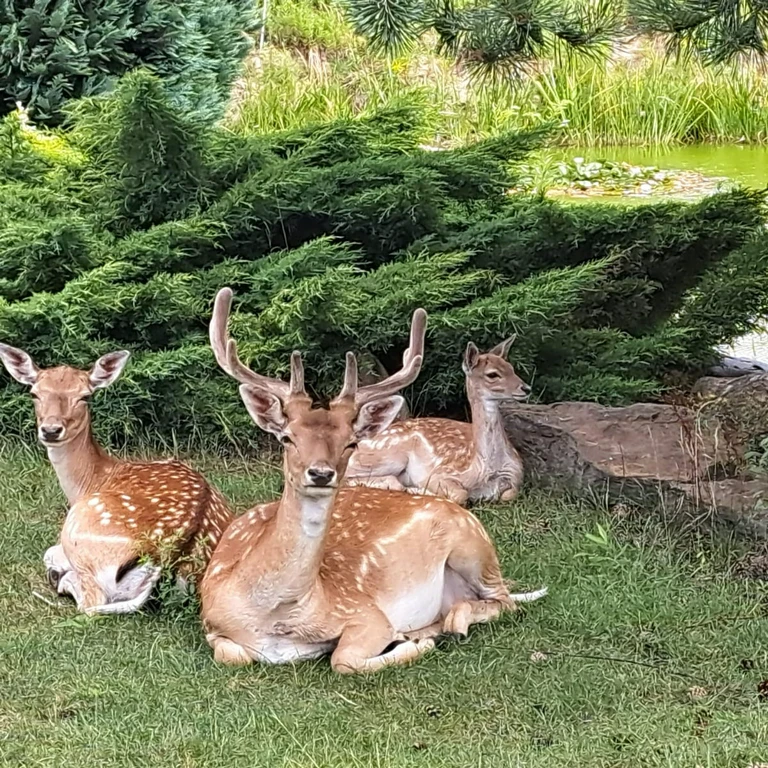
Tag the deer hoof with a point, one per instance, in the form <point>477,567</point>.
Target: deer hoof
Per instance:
<point>54,577</point>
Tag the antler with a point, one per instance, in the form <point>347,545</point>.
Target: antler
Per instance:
<point>225,351</point>
<point>412,359</point>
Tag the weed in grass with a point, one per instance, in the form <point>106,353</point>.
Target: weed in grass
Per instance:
<point>598,674</point>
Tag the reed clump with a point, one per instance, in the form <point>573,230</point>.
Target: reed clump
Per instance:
<point>315,69</point>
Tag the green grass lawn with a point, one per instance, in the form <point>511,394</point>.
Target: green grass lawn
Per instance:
<point>634,622</point>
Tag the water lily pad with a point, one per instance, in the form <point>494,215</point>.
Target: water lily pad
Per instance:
<point>605,178</point>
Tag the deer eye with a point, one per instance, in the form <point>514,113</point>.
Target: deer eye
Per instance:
<point>351,447</point>
<point>83,399</point>
<point>492,375</point>
<point>285,440</point>
<point>34,396</point>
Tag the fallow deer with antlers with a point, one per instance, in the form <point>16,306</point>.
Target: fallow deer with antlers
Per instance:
<point>121,512</point>
<point>462,462</point>
<point>348,571</point>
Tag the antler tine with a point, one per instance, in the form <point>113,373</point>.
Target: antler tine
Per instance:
<point>225,349</point>
<point>412,360</point>
<point>350,379</point>
<point>297,374</point>
<point>217,330</point>
<point>418,331</point>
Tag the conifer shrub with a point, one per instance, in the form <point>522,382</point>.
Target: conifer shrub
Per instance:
<point>330,237</point>
<point>53,52</point>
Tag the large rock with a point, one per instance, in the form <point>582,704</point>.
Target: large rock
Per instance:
<point>645,453</point>
<point>738,366</point>
<point>741,407</point>
<point>751,385</point>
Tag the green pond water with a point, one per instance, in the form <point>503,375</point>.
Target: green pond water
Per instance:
<point>745,164</point>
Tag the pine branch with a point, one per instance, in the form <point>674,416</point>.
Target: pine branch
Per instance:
<point>718,31</point>
<point>504,38</point>
<point>389,25</point>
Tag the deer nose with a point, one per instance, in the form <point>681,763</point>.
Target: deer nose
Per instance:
<point>525,389</point>
<point>321,476</point>
<point>51,433</point>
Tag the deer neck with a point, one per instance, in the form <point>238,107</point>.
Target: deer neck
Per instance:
<point>80,464</point>
<point>489,437</point>
<point>297,542</point>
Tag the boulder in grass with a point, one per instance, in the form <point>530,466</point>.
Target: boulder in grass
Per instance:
<point>646,453</point>
<point>740,404</point>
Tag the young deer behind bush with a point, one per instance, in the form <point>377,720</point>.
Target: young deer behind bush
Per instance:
<point>462,462</point>
<point>120,511</point>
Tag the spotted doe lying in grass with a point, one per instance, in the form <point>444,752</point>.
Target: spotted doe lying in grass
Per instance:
<point>121,512</point>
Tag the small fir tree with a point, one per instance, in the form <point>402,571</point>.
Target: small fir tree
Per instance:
<point>53,52</point>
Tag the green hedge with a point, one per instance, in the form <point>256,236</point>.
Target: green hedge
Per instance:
<point>330,237</point>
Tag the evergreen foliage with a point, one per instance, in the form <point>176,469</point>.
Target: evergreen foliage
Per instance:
<point>492,36</point>
<point>52,52</point>
<point>505,37</point>
<point>718,30</point>
<point>330,237</point>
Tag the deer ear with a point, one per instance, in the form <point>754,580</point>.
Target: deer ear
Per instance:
<point>502,350</point>
<point>265,409</point>
<point>19,364</point>
<point>376,416</point>
<point>471,353</point>
<point>107,368</point>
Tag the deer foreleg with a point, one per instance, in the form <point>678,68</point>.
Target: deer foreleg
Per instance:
<point>448,488</point>
<point>510,494</point>
<point>226,651</point>
<point>461,616</point>
<point>468,612</point>
<point>363,647</point>
<point>431,631</point>
<point>70,584</point>
<point>384,482</point>
<point>131,592</point>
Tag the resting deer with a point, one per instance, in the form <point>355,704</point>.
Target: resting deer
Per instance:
<point>462,462</point>
<point>348,571</point>
<point>120,512</point>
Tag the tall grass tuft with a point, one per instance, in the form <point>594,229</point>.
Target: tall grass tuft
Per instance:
<point>315,69</point>
<point>650,99</point>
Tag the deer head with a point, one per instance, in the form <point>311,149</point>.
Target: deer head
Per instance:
<point>61,393</point>
<point>490,376</point>
<point>318,441</point>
